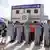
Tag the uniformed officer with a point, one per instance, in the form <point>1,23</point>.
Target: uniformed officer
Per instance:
<point>10,31</point>
<point>37,33</point>
<point>42,32</point>
<point>22,32</point>
<point>26,31</point>
<point>3,30</point>
<point>46,35</point>
<point>32,32</point>
<point>18,31</point>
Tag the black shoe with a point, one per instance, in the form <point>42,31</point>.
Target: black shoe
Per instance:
<point>46,46</point>
<point>11,41</point>
<point>21,41</point>
<point>29,42</point>
<point>18,43</point>
<point>37,44</point>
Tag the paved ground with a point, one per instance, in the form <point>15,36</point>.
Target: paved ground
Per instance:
<point>26,47</point>
<point>14,46</point>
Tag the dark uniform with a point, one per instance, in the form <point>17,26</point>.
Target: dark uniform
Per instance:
<point>42,31</point>
<point>3,31</point>
<point>19,32</point>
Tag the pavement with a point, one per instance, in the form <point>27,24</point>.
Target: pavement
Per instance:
<point>22,46</point>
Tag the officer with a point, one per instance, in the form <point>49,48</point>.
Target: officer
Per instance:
<point>32,32</point>
<point>46,35</point>
<point>37,33</point>
<point>22,32</point>
<point>42,31</point>
<point>26,31</point>
<point>3,30</point>
<point>10,31</point>
<point>18,31</point>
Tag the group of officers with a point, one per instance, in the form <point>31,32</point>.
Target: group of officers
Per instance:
<point>28,32</point>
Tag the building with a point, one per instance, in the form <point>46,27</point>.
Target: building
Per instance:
<point>23,13</point>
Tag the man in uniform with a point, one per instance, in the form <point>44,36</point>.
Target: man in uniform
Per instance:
<point>26,31</point>
<point>3,30</point>
<point>37,33</point>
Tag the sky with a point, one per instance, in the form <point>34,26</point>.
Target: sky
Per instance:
<point>5,6</point>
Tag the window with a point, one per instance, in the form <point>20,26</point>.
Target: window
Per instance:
<point>17,11</point>
<point>28,11</point>
<point>36,11</point>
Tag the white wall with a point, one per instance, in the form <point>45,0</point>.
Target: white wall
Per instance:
<point>5,9</point>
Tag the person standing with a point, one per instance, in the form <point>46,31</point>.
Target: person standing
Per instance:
<point>37,33</point>
<point>32,32</point>
<point>26,31</point>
